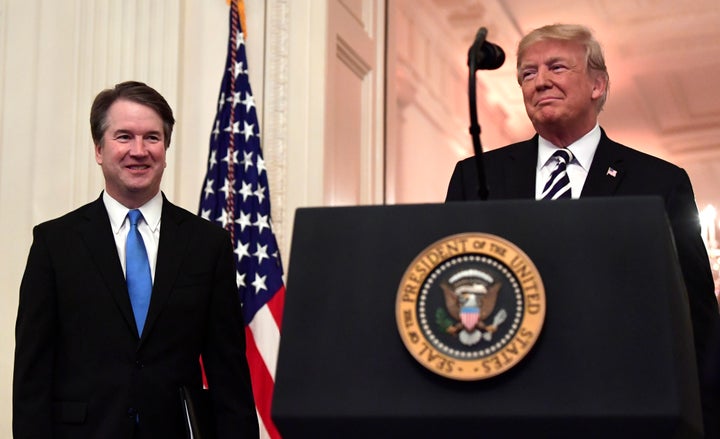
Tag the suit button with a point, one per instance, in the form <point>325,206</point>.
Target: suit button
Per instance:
<point>139,364</point>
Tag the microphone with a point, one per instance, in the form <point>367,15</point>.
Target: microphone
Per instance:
<point>487,56</point>
<point>482,55</point>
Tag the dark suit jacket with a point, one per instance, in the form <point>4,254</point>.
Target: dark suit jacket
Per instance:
<point>511,171</point>
<point>80,369</point>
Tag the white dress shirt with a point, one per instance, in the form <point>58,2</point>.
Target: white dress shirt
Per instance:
<point>583,151</point>
<point>149,227</point>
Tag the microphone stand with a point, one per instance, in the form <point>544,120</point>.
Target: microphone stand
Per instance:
<point>473,66</point>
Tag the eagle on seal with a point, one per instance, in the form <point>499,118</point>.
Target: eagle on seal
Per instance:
<point>470,304</point>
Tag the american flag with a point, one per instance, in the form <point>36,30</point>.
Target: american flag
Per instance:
<point>236,196</point>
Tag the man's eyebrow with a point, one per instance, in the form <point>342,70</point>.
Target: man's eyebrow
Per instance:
<point>525,64</point>
<point>555,59</point>
<point>129,131</point>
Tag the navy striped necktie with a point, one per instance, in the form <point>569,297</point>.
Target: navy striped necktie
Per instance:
<point>558,185</point>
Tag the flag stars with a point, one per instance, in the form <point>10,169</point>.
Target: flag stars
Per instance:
<point>249,102</point>
<point>234,159</point>
<point>259,283</point>
<point>223,218</point>
<point>247,159</point>
<point>213,158</point>
<point>260,193</point>
<point>235,99</point>
<point>261,253</point>
<point>238,69</point>
<point>242,250</point>
<point>234,128</point>
<point>216,130</point>
<point>221,101</point>
<point>247,130</point>
<point>239,179</point>
<point>209,188</point>
<point>246,190</point>
<point>227,189</point>
<point>262,223</point>
<point>243,221</point>
<point>239,39</point>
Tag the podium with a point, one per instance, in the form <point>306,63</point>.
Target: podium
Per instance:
<point>615,357</point>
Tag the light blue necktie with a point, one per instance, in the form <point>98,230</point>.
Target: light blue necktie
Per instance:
<point>558,185</point>
<point>137,266</point>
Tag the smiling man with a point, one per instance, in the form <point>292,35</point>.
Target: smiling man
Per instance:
<point>561,71</point>
<point>122,296</point>
<point>131,151</point>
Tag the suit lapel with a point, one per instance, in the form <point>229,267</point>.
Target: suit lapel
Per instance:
<point>607,169</point>
<point>171,253</point>
<point>520,170</point>
<point>100,242</point>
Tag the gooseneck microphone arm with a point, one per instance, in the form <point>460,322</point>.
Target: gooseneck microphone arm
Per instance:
<point>475,126</point>
<point>488,56</point>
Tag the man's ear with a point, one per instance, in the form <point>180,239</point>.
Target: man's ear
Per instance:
<point>98,153</point>
<point>600,83</point>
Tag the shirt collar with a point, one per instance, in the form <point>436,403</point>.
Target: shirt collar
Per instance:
<point>583,149</point>
<point>151,212</point>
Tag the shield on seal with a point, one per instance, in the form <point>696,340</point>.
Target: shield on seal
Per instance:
<point>469,316</point>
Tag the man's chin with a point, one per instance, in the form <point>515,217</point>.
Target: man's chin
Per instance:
<point>139,190</point>
<point>545,119</point>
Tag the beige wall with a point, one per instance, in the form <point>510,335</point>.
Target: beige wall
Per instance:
<point>54,57</point>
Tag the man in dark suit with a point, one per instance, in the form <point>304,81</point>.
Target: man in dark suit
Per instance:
<point>564,81</point>
<point>88,363</point>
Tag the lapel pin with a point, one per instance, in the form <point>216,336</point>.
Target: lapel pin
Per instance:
<point>611,172</point>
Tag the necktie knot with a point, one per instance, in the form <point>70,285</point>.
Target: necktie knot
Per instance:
<point>564,156</point>
<point>558,185</point>
<point>134,216</point>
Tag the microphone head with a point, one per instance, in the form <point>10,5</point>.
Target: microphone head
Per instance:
<point>491,56</point>
<point>484,54</point>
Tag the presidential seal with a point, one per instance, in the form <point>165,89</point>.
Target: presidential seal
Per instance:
<point>470,306</point>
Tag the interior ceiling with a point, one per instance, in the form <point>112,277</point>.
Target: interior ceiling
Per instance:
<point>664,62</point>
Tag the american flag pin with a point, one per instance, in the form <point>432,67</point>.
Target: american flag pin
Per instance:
<point>611,172</point>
